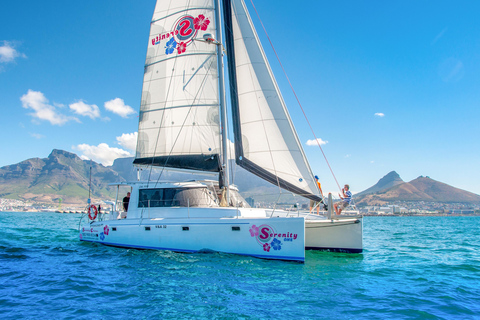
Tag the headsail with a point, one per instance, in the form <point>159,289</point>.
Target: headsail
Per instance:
<point>179,113</point>
<point>266,142</point>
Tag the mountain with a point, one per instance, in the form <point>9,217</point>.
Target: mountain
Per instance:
<point>63,175</point>
<point>390,180</point>
<point>419,189</point>
<point>125,169</point>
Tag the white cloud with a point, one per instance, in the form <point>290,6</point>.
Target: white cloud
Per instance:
<point>84,109</point>
<point>101,153</point>
<point>119,107</point>
<point>379,114</point>
<point>348,156</point>
<point>8,53</point>
<point>316,142</point>
<point>37,135</point>
<point>36,101</point>
<point>128,140</point>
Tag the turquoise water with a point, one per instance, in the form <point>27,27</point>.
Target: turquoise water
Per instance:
<point>412,268</point>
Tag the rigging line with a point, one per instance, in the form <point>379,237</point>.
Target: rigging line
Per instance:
<point>183,124</point>
<point>160,126</point>
<point>163,114</point>
<point>296,97</point>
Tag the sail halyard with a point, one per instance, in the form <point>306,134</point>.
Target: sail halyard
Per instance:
<point>266,143</point>
<point>179,114</point>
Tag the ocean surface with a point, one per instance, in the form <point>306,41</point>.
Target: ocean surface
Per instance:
<point>411,268</point>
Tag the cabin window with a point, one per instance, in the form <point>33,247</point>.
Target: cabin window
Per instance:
<point>176,197</point>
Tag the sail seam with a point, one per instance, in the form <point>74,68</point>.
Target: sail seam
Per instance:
<point>179,57</point>
<point>184,106</point>
<point>185,10</point>
<point>183,125</point>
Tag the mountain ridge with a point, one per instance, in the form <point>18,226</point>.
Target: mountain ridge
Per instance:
<point>64,175</point>
<point>391,179</point>
<point>419,189</point>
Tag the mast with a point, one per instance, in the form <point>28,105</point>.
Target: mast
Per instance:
<point>225,172</point>
<point>232,73</point>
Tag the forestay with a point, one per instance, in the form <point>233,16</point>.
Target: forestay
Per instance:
<point>179,113</point>
<point>266,143</point>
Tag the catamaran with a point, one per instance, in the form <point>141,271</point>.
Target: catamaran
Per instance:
<point>183,125</point>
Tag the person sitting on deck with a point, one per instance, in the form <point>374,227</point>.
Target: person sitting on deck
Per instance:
<point>346,198</point>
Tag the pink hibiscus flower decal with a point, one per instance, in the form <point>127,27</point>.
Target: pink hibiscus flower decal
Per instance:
<point>106,230</point>
<point>181,47</point>
<point>266,247</point>
<point>254,231</point>
<point>201,22</point>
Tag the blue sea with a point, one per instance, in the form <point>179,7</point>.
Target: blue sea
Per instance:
<point>411,268</point>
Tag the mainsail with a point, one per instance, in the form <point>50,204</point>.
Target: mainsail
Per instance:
<point>179,112</point>
<point>266,142</point>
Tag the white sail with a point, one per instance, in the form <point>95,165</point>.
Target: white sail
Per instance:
<point>179,113</point>
<point>266,142</point>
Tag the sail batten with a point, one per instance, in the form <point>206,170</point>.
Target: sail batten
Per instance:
<point>182,11</point>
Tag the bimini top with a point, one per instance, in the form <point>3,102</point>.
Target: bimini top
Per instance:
<point>160,184</point>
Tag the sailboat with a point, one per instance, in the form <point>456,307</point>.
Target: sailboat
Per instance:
<point>183,126</point>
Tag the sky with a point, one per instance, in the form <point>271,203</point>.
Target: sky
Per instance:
<point>386,85</point>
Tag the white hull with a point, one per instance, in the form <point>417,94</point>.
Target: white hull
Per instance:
<point>275,238</point>
<point>343,235</point>
<point>242,231</point>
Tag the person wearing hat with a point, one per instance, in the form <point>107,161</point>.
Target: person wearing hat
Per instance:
<point>314,203</point>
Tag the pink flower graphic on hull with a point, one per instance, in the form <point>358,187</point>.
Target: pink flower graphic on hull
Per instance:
<point>181,47</point>
<point>106,230</point>
<point>266,247</point>
<point>201,22</point>
<point>254,231</point>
